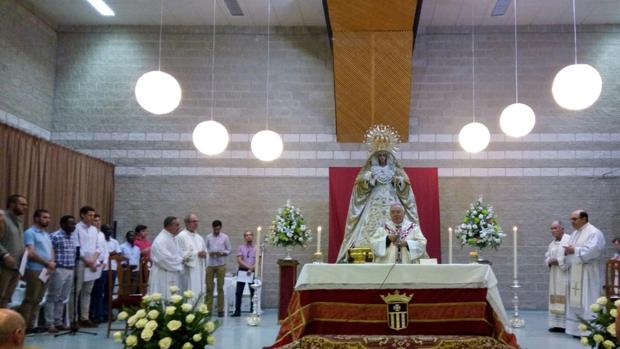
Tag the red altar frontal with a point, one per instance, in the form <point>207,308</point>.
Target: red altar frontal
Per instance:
<point>444,300</point>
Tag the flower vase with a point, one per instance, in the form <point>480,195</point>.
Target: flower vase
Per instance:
<point>481,260</point>
<point>288,253</point>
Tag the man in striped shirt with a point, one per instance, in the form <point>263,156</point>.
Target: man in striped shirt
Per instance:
<point>61,281</point>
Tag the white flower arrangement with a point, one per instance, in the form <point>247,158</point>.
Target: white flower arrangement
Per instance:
<point>602,327</point>
<point>289,228</point>
<point>480,228</point>
<point>174,324</point>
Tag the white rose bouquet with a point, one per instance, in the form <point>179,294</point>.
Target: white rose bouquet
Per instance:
<point>179,323</point>
<point>289,228</point>
<point>602,327</point>
<point>480,228</point>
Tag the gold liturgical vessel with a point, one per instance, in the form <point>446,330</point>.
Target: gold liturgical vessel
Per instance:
<point>360,255</point>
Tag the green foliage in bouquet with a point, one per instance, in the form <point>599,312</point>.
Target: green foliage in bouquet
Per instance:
<point>177,323</point>
<point>602,327</point>
<point>480,228</point>
<point>289,228</point>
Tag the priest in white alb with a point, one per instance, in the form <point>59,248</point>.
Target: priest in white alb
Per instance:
<point>167,259</point>
<point>398,240</point>
<point>558,277</point>
<point>195,257</point>
<point>585,257</point>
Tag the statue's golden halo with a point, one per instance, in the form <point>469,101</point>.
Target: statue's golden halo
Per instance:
<point>382,138</point>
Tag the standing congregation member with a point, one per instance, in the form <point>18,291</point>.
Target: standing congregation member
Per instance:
<point>558,277</point>
<point>219,248</point>
<point>398,240</point>
<point>167,259</point>
<point>11,246</point>
<point>195,252</point>
<point>12,329</point>
<point>142,242</point>
<point>132,252</point>
<point>101,291</point>
<point>96,296</point>
<point>61,281</point>
<point>246,258</point>
<point>87,238</point>
<point>40,256</point>
<point>585,251</point>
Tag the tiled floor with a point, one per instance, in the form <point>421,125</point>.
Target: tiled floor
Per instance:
<point>235,333</point>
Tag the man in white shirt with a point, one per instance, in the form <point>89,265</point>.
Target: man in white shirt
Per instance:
<point>584,253</point>
<point>87,238</point>
<point>130,251</point>
<point>399,240</point>
<point>195,256</point>
<point>167,259</point>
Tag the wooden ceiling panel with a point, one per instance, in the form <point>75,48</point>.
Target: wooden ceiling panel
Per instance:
<point>372,46</point>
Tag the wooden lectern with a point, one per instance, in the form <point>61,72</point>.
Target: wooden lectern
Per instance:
<point>288,279</point>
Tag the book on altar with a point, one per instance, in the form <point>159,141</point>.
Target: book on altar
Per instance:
<point>428,261</point>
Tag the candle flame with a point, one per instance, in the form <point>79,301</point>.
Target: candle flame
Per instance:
<point>514,229</point>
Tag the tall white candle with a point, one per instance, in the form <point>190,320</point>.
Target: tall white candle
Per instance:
<point>514,251</point>
<point>450,245</point>
<point>259,255</point>
<point>318,239</point>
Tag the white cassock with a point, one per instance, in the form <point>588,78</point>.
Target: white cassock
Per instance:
<point>558,282</point>
<point>407,231</point>
<point>193,276</point>
<point>584,280</point>
<point>167,260</point>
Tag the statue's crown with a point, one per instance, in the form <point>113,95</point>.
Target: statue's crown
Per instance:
<point>396,297</point>
<point>382,138</point>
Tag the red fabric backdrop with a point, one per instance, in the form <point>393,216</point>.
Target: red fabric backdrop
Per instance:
<point>425,189</point>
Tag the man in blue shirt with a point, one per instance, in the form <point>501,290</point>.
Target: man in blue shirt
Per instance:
<point>61,281</point>
<point>40,265</point>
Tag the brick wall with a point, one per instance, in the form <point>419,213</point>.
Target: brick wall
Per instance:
<point>570,161</point>
<point>27,69</point>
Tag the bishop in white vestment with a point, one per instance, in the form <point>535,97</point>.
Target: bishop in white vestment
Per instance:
<point>585,253</point>
<point>195,253</point>
<point>167,259</point>
<point>398,241</point>
<point>558,277</point>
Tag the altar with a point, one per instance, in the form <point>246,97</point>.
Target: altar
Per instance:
<point>346,299</point>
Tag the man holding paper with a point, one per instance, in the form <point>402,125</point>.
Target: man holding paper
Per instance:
<point>86,237</point>
<point>39,267</point>
<point>11,246</point>
<point>246,258</point>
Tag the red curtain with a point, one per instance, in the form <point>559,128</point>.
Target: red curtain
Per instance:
<point>425,189</point>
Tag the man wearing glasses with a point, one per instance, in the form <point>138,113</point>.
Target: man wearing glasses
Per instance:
<point>584,254</point>
<point>246,258</point>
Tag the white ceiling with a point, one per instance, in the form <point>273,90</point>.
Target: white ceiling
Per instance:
<point>310,12</point>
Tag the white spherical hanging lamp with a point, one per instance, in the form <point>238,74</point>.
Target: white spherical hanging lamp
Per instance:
<point>517,120</point>
<point>267,145</point>
<point>158,92</point>
<point>474,137</point>
<point>577,86</point>
<point>210,137</point>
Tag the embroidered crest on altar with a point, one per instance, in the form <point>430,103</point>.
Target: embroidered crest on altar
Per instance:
<point>397,310</point>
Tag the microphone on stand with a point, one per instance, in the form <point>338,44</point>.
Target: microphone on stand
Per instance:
<point>396,260</point>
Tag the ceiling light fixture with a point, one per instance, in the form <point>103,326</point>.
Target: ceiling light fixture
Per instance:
<point>101,7</point>
<point>474,137</point>
<point>267,145</point>
<point>211,137</point>
<point>158,92</point>
<point>576,86</point>
<point>517,119</point>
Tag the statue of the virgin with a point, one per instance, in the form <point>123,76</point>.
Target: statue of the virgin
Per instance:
<point>380,183</point>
